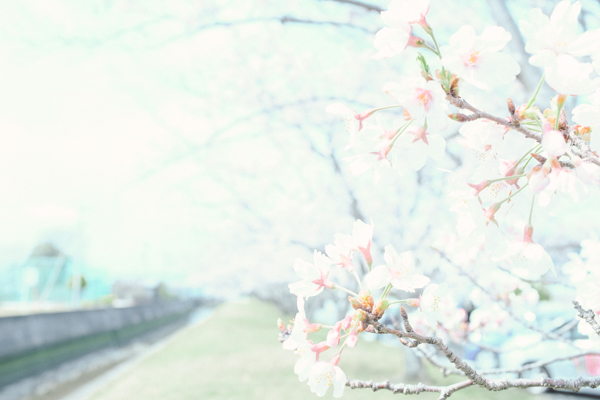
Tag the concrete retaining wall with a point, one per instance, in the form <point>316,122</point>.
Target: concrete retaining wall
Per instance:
<point>32,343</point>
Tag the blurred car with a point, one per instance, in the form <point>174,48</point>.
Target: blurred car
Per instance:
<point>524,346</point>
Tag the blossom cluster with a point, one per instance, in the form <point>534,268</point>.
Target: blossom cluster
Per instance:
<point>530,158</point>
<point>529,153</point>
<point>399,272</point>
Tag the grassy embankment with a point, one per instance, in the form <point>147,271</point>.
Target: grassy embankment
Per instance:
<point>235,355</point>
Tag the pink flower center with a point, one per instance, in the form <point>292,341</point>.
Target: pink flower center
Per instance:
<point>424,98</point>
<point>471,61</point>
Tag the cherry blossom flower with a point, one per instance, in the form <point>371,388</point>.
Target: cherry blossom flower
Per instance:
<point>352,339</point>
<point>482,135</point>
<point>569,76</point>
<point>308,358</point>
<point>562,181</point>
<point>301,328</point>
<point>588,173</point>
<point>363,235</point>
<point>425,101</point>
<point>376,161</point>
<point>314,276</point>
<point>553,142</point>
<point>323,375</point>
<point>437,303</point>
<point>529,260</point>
<point>474,226</point>
<point>538,178</point>
<point>589,115</point>
<point>333,336</point>
<point>399,271</point>
<point>555,42</point>
<point>477,60</point>
<point>352,120</point>
<point>393,41</point>
<point>405,12</point>
<point>420,145</point>
<point>341,252</point>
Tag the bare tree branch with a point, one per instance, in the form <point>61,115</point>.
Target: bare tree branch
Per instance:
<point>529,75</point>
<point>547,335</point>
<point>501,384</point>
<point>445,391</point>
<point>589,317</point>
<point>285,19</point>
<point>474,376</point>
<point>366,6</point>
<point>538,364</point>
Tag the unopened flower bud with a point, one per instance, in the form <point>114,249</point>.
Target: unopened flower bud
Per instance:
<point>352,339</point>
<point>335,360</point>
<point>365,298</point>
<point>414,302</point>
<point>523,112</point>
<point>415,41</point>
<point>312,328</point>
<point>528,233</point>
<point>347,322</point>
<point>584,132</point>
<point>511,106</point>
<point>458,117</point>
<point>379,307</point>
<point>479,187</point>
<point>560,101</point>
<point>280,325</point>
<point>354,302</point>
<point>490,212</point>
<point>359,315</point>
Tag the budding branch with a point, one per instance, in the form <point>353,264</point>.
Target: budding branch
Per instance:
<point>579,147</point>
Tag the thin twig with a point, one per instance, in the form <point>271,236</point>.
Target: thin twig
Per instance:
<point>547,335</point>
<point>366,6</point>
<point>538,364</point>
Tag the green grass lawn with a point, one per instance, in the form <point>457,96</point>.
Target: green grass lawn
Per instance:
<point>235,354</point>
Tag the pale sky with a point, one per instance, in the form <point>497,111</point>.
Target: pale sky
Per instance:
<point>148,142</point>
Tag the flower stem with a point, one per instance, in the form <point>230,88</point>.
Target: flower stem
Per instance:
<point>426,46</point>
<point>357,279</point>
<point>385,108</point>
<point>514,194</point>
<point>507,177</point>
<point>438,52</point>
<point>386,291</point>
<point>346,290</point>
<point>526,154</point>
<point>559,109</point>
<point>398,301</point>
<point>531,210</point>
<point>530,158</point>
<point>537,90</point>
<point>399,132</point>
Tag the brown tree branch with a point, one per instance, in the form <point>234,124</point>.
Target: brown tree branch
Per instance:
<point>579,148</point>
<point>574,385</point>
<point>473,375</point>
<point>445,391</point>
